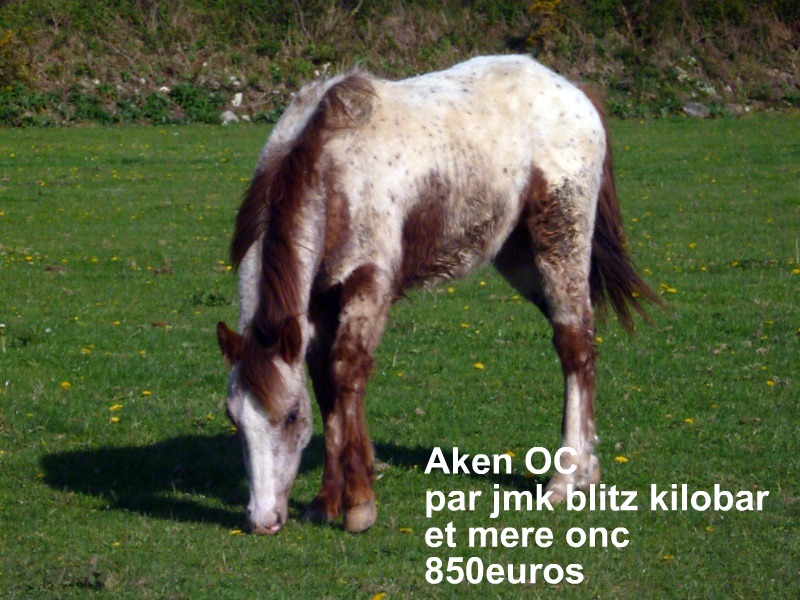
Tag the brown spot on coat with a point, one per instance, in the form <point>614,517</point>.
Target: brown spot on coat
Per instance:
<point>448,229</point>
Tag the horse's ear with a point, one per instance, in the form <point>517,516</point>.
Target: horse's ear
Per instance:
<point>290,340</point>
<point>230,343</point>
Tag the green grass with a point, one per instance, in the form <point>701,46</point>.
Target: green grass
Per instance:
<point>114,273</point>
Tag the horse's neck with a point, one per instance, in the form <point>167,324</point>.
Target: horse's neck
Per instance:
<point>308,240</point>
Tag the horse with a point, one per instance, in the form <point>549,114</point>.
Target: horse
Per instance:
<point>367,187</point>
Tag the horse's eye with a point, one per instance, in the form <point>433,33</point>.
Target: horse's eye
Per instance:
<point>290,418</point>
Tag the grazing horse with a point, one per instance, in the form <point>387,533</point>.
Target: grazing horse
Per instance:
<point>367,187</point>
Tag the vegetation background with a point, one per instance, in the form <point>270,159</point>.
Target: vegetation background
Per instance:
<point>165,61</point>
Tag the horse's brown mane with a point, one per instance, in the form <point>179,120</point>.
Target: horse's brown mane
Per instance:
<point>269,210</point>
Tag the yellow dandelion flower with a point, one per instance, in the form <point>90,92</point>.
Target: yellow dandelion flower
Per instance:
<point>692,245</point>
<point>146,393</point>
<point>688,420</point>
<point>236,532</point>
<point>735,263</point>
<point>795,271</point>
<point>709,528</point>
<point>668,289</point>
<point>378,596</point>
<point>405,530</point>
<point>464,326</point>
<point>770,383</point>
<point>667,557</point>
<point>451,290</point>
<point>65,385</point>
<point>478,365</point>
<point>115,419</point>
<point>115,407</point>
<point>598,339</point>
<point>621,459</point>
<point>510,453</point>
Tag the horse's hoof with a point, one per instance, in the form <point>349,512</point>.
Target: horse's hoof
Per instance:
<point>557,486</point>
<point>360,517</point>
<point>557,490</point>
<point>316,515</point>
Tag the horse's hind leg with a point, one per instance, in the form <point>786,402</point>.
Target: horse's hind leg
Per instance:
<point>547,258</point>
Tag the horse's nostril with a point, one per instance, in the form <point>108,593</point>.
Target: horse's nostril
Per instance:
<point>267,530</point>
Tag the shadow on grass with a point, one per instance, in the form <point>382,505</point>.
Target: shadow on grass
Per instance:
<point>173,479</point>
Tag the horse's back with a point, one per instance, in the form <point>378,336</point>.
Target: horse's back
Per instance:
<point>449,155</point>
<point>511,110</point>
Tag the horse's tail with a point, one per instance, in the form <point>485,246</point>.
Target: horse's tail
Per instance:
<point>613,278</point>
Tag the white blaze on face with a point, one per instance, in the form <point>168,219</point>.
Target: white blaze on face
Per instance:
<point>272,445</point>
<point>268,504</point>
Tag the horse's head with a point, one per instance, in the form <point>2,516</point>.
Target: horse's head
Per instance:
<point>269,405</point>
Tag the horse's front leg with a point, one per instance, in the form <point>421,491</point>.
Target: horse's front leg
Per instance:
<point>365,302</point>
<point>339,386</point>
<point>327,504</point>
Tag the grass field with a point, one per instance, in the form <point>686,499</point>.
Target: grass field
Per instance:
<point>119,475</point>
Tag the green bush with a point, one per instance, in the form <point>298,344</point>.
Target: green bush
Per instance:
<point>128,50</point>
<point>198,104</point>
<point>156,108</point>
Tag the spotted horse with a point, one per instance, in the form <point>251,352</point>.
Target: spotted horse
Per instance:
<point>367,187</point>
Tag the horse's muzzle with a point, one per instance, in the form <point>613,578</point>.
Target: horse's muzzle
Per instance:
<point>267,530</point>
